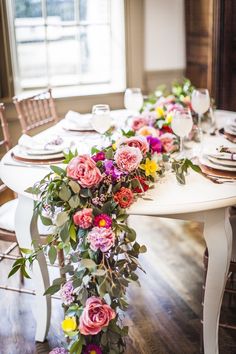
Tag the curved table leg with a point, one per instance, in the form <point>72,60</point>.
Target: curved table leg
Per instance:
<point>26,231</point>
<point>218,236</point>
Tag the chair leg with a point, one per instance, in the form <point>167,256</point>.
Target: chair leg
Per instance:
<point>61,261</point>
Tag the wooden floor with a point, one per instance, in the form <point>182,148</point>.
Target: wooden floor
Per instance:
<point>164,315</point>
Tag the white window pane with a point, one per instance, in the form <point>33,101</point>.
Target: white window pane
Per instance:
<point>94,11</point>
<point>62,10</point>
<point>95,53</point>
<point>27,8</point>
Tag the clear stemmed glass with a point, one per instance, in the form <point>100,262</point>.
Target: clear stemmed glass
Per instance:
<point>133,100</point>
<point>200,101</point>
<point>181,125</point>
<point>101,118</point>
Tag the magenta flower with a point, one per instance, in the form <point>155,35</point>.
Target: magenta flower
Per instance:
<point>99,156</point>
<point>101,238</point>
<point>66,293</point>
<point>103,220</point>
<point>92,349</point>
<point>155,144</point>
<point>111,170</point>
<point>59,351</point>
<point>128,158</point>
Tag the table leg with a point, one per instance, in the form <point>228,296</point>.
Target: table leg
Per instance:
<point>218,236</point>
<point>26,231</point>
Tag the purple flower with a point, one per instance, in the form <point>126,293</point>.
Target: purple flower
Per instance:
<point>99,156</point>
<point>59,351</point>
<point>155,144</point>
<point>103,220</point>
<point>92,348</point>
<point>67,293</point>
<point>111,170</point>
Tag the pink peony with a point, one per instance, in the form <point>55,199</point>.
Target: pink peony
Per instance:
<point>139,122</point>
<point>83,218</point>
<point>139,142</point>
<point>84,170</point>
<point>168,141</point>
<point>101,238</point>
<point>95,316</point>
<point>128,158</point>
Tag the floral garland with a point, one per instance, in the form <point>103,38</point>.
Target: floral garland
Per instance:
<point>86,204</point>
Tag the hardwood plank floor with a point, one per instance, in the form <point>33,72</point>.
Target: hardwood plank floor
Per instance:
<point>164,314</point>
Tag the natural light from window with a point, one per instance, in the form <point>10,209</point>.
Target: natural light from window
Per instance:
<point>73,43</point>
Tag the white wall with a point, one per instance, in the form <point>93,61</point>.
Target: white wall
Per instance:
<point>164,35</point>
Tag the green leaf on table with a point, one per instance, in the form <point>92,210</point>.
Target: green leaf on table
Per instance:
<point>26,250</point>
<point>99,272</point>
<point>64,193</point>
<point>58,170</point>
<point>45,220</point>
<point>52,254</point>
<point>109,154</point>
<point>52,289</point>
<point>74,201</point>
<point>61,218</point>
<point>142,249</point>
<point>87,263</point>
<point>94,150</point>
<point>74,186</point>
<point>72,232</point>
<point>14,270</point>
<point>33,190</point>
<point>65,232</point>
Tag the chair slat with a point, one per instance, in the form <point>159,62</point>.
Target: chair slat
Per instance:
<point>36,110</point>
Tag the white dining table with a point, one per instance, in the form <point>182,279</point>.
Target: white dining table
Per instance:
<point>199,200</point>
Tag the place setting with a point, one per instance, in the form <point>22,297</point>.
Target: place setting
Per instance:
<point>229,131</point>
<point>219,165</point>
<point>36,151</point>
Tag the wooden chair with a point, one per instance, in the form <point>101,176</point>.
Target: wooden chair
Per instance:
<point>36,110</point>
<point>8,204</point>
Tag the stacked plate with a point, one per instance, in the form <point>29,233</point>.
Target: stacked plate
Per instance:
<point>32,151</point>
<point>229,131</point>
<point>77,122</point>
<point>220,163</point>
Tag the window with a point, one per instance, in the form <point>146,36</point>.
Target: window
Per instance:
<point>67,43</point>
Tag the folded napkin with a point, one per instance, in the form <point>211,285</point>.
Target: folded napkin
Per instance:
<point>78,120</point>
<point>31,143</point>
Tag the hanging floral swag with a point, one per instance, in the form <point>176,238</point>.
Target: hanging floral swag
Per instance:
<point>85,204</point>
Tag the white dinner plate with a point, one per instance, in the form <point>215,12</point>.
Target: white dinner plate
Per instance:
<point>205,161</point>
<point>22,154</point>
<point>222,162</point>
<point>230,129</point>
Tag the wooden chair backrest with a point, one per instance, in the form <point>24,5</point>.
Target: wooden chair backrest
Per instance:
<point>6,142</point>
<point>36,110</point>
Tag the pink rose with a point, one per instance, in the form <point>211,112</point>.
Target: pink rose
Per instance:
<point>168,141</point>
<point>128,158</point>
<point>95,316</point>
<point>101,238</point>
<point>84,170</point>
<point>139,122</point>
<point>83,218</point>
<point>139,142</point>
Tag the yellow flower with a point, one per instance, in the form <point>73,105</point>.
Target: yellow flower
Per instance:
<point>146,131</point>
<point>150,167</point>
<point>69,324</point>
<point>114,147</point>
<point>169,118</point>
<point>160,112</point>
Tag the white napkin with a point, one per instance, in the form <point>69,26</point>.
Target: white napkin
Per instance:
<point>82,121</point>
<point>31,143</point>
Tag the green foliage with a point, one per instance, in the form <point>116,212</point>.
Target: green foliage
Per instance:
<point>180,167</point>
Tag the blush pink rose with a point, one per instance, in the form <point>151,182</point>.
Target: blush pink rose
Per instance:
<point>128,158</point>
<point>139,142</point>
<point>139,122</point>
<point>168,142</point>
<point>95,316</point>
<point>84,170</point>
<point>83,218</point>
<point>101,238</point>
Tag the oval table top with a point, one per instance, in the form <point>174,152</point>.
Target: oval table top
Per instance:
<point>167,198</point>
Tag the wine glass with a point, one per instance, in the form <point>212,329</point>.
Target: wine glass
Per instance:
<point>101,118</point>
<point>200,101</point>
<point>133,100</point>
<point>181,125</point>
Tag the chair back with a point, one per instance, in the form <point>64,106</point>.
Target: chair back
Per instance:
<point>35,111</point>
<point>6,143</point>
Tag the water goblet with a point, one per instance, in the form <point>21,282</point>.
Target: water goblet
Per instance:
<point>133,100</point>
<point>181,125</point>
